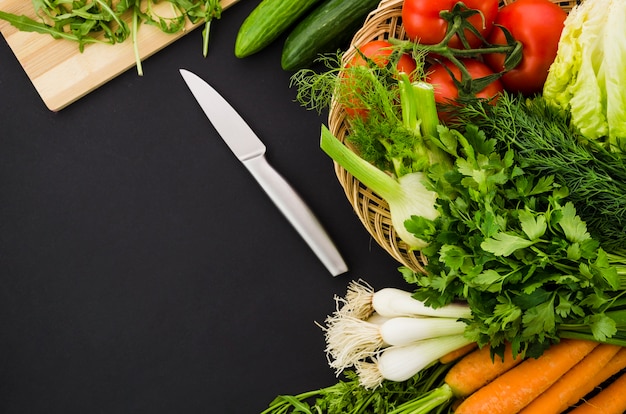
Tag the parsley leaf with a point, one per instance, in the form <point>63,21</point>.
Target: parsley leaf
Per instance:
<point>504,244</point>
<point>512,246</point>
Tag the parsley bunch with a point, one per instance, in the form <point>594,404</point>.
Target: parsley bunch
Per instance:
<point>546,144</point>
<point>512,246</point>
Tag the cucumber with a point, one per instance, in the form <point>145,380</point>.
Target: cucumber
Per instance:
<point>328,27</point>
<point>266,22</point>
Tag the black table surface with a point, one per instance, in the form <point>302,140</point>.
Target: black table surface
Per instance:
<point>142,269</point>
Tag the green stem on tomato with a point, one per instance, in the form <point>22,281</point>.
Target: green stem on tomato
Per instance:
<point>457,24</point>
<point>442,49</point>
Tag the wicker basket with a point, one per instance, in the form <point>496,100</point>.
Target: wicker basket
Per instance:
<point>372,210</point>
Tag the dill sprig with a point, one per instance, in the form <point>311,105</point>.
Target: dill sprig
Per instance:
<point>390,121</point>
<point>545,144</point>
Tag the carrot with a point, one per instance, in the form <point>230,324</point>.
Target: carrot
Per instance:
<point>556,399</point>
<point>458,353</point>
<point>615,365</point>
<point>516,388</point>
<point>611,400</point>
<point>477,369</point>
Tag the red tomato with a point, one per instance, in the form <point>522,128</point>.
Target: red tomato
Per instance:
<point>379,52</point>
<point>446,91</point>
<point>422,21</point>
<point>537,24</point>
<point>445,88</point>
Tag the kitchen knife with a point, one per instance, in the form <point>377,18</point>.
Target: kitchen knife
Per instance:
<point>249,149</point>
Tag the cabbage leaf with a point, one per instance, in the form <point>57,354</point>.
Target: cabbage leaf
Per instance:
<point>588,76</point>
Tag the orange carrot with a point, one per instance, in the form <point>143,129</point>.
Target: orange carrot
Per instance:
<point>458,353</point>
<point>615,365</point>
<point>556,399</point>
<point>611,400</point>
<point>478,368</point>
<point>516,388</point>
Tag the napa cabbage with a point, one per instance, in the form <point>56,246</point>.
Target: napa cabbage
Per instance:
<point>588,76</point>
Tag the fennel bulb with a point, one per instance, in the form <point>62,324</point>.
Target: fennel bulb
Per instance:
<point>396,146</point>
<point>588,76</point>
<point>407,195</point>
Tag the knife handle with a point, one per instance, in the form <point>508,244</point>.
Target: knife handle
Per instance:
<point>297,213</point>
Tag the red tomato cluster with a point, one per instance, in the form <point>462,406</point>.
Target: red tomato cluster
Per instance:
<point>536,24</point>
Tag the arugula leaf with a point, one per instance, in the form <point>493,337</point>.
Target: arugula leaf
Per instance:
<point>26,24</point>
<point>103,21</point>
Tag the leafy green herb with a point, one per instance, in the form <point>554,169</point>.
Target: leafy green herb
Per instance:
<point>104,21</point>
<point>509,238</point>
<point>546,145</point>
<point>349,397</point>
<point>513,246</point>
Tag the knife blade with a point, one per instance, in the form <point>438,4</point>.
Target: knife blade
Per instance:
<point>250,150</point>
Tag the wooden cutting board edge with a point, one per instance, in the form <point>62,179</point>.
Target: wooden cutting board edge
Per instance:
<point>61,74</point>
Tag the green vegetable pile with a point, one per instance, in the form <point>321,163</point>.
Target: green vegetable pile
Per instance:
<point>105,21</point>
<point>502,232</point>
<point>544,141</point>
<point>517,205</point>
<point>510,242</point>
<point>515,209</point>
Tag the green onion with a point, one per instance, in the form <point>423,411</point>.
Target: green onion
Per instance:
<point>399,363</point>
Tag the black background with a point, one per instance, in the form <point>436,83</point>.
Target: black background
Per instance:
<point>142,269</point>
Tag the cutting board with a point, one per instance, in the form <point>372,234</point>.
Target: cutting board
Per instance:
<point>61,74</point>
